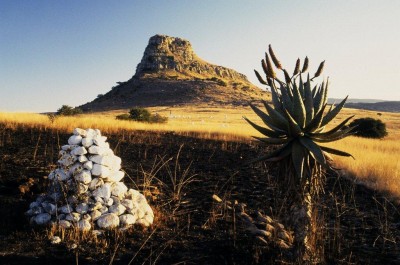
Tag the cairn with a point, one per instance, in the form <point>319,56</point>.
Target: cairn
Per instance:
<point>86,190</point>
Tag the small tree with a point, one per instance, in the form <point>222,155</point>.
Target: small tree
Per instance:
<point>140,114</point>
<point>296,121</point>
<point>66,110</point>
<point>369,128</point>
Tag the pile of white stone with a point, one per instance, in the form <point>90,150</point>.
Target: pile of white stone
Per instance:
<point>86,191</point>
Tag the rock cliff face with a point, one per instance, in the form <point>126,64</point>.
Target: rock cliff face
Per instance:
<point>170,53</point>
<point>170,73</point>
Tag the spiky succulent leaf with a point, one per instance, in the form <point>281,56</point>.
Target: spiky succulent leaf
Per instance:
<point>267,119</point>
<point>294,128</point>
<point>314,150</point>
<point>335,129</point>
<point>298,157</point>
<point>332,114</point>
<point>299,111</point>
<point>273,141</point>
<point>265,131</point>
<point>276,117</point>
<point>308,101</point>
<point>336,152</point>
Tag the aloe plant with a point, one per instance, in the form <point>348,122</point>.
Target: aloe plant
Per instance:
<point>296,121</point>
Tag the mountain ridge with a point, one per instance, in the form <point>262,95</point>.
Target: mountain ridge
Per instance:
<point>170,73</point>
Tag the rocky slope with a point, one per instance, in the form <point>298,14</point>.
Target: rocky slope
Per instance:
<point>170,73</point>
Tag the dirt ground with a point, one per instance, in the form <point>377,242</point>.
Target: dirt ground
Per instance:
<point>360,226</point>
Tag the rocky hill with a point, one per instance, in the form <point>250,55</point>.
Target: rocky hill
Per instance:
<point>170,73</point>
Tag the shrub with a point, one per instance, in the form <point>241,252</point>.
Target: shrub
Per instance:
<point>157,118</point>
<point>369,128</point>
<point>66,110</point>
<point>140,114</point>
<point>124,117</point>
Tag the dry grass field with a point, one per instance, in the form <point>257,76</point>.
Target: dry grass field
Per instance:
<point>360,226</point>
<point>376,163</point>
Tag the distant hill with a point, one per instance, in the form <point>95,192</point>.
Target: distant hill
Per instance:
<point>170,73</point>
<point>354,100</point>
<point>386,106</point>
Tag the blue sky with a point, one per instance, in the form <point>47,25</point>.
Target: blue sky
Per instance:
<point>69,51</point>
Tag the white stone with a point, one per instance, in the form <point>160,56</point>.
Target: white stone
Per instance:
<point>118,189</point>
<point>104,209</point>
<point>110,202</point>
<point>127,219</point>
<point>84,177</point>
<point>79,131</point>
<point>81,188</point>
<point>72,199</point>
<point>34,204</point>
<point>82,208</point>
<point>87,142</point>
<point>149,218</point>
<point>75,169</point>
<point>95,215</point>
<point>78,151</point>
<point>140,213</point>
<point>73,217</point>
<point>90,133</point>
<point>66,147</point>
<point>108,221</point>
<point>101,171</point>
<point>132,194</point>
<point>56,196</point>
<point>99,199</point>
<point>100,140</point>
<point>64,224</point>
<point>82,159</point>
<point>115,176</point>
<point>75,140</point>
<point>84,225</point>
<point>65,209</point>
<point>96,206</point>
<point>143,222</point>
<point>43,218</point>
<point>117,209</point>
<point>97,150</point>
<point>67,160</point>
<point>87,217</point>
<point>49,208</point>
<point>88,165</point>
<point>59,175</point>
<point>128,204</point>
<point>103,191</point>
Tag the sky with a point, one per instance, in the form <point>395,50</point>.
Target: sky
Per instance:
<point>66,52</point>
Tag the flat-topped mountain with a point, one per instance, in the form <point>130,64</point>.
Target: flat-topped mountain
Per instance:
<point>170,73</point>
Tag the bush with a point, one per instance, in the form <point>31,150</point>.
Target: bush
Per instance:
<point>66,110</point>
<point>369,128</point>
<point>124,117</point>
<point>157,118</point>
<point>140,114</point>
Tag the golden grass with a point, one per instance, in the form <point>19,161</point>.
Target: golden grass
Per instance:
<point>377,161</point>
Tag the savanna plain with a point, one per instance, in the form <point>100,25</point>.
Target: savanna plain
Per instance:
<point>193,171</point>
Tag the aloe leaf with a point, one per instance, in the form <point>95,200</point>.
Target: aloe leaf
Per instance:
<point>276,155</point>
<point>332,114</point>
<point>276,117</point>
<point>335,136</point>
<point>301,87</point>
<point>264,131</point>
<point>334,130</point>
<point>286,100</point>
<point>266,119</point>
<point>298,157</point>
<point>315,122</point>
<point>294,129</point>
<point>308,101</point>
<point>273,141</point>
<point>314,150</point>
<point>336,152</point>
<point>299,111</point>
<point>275,99</point>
